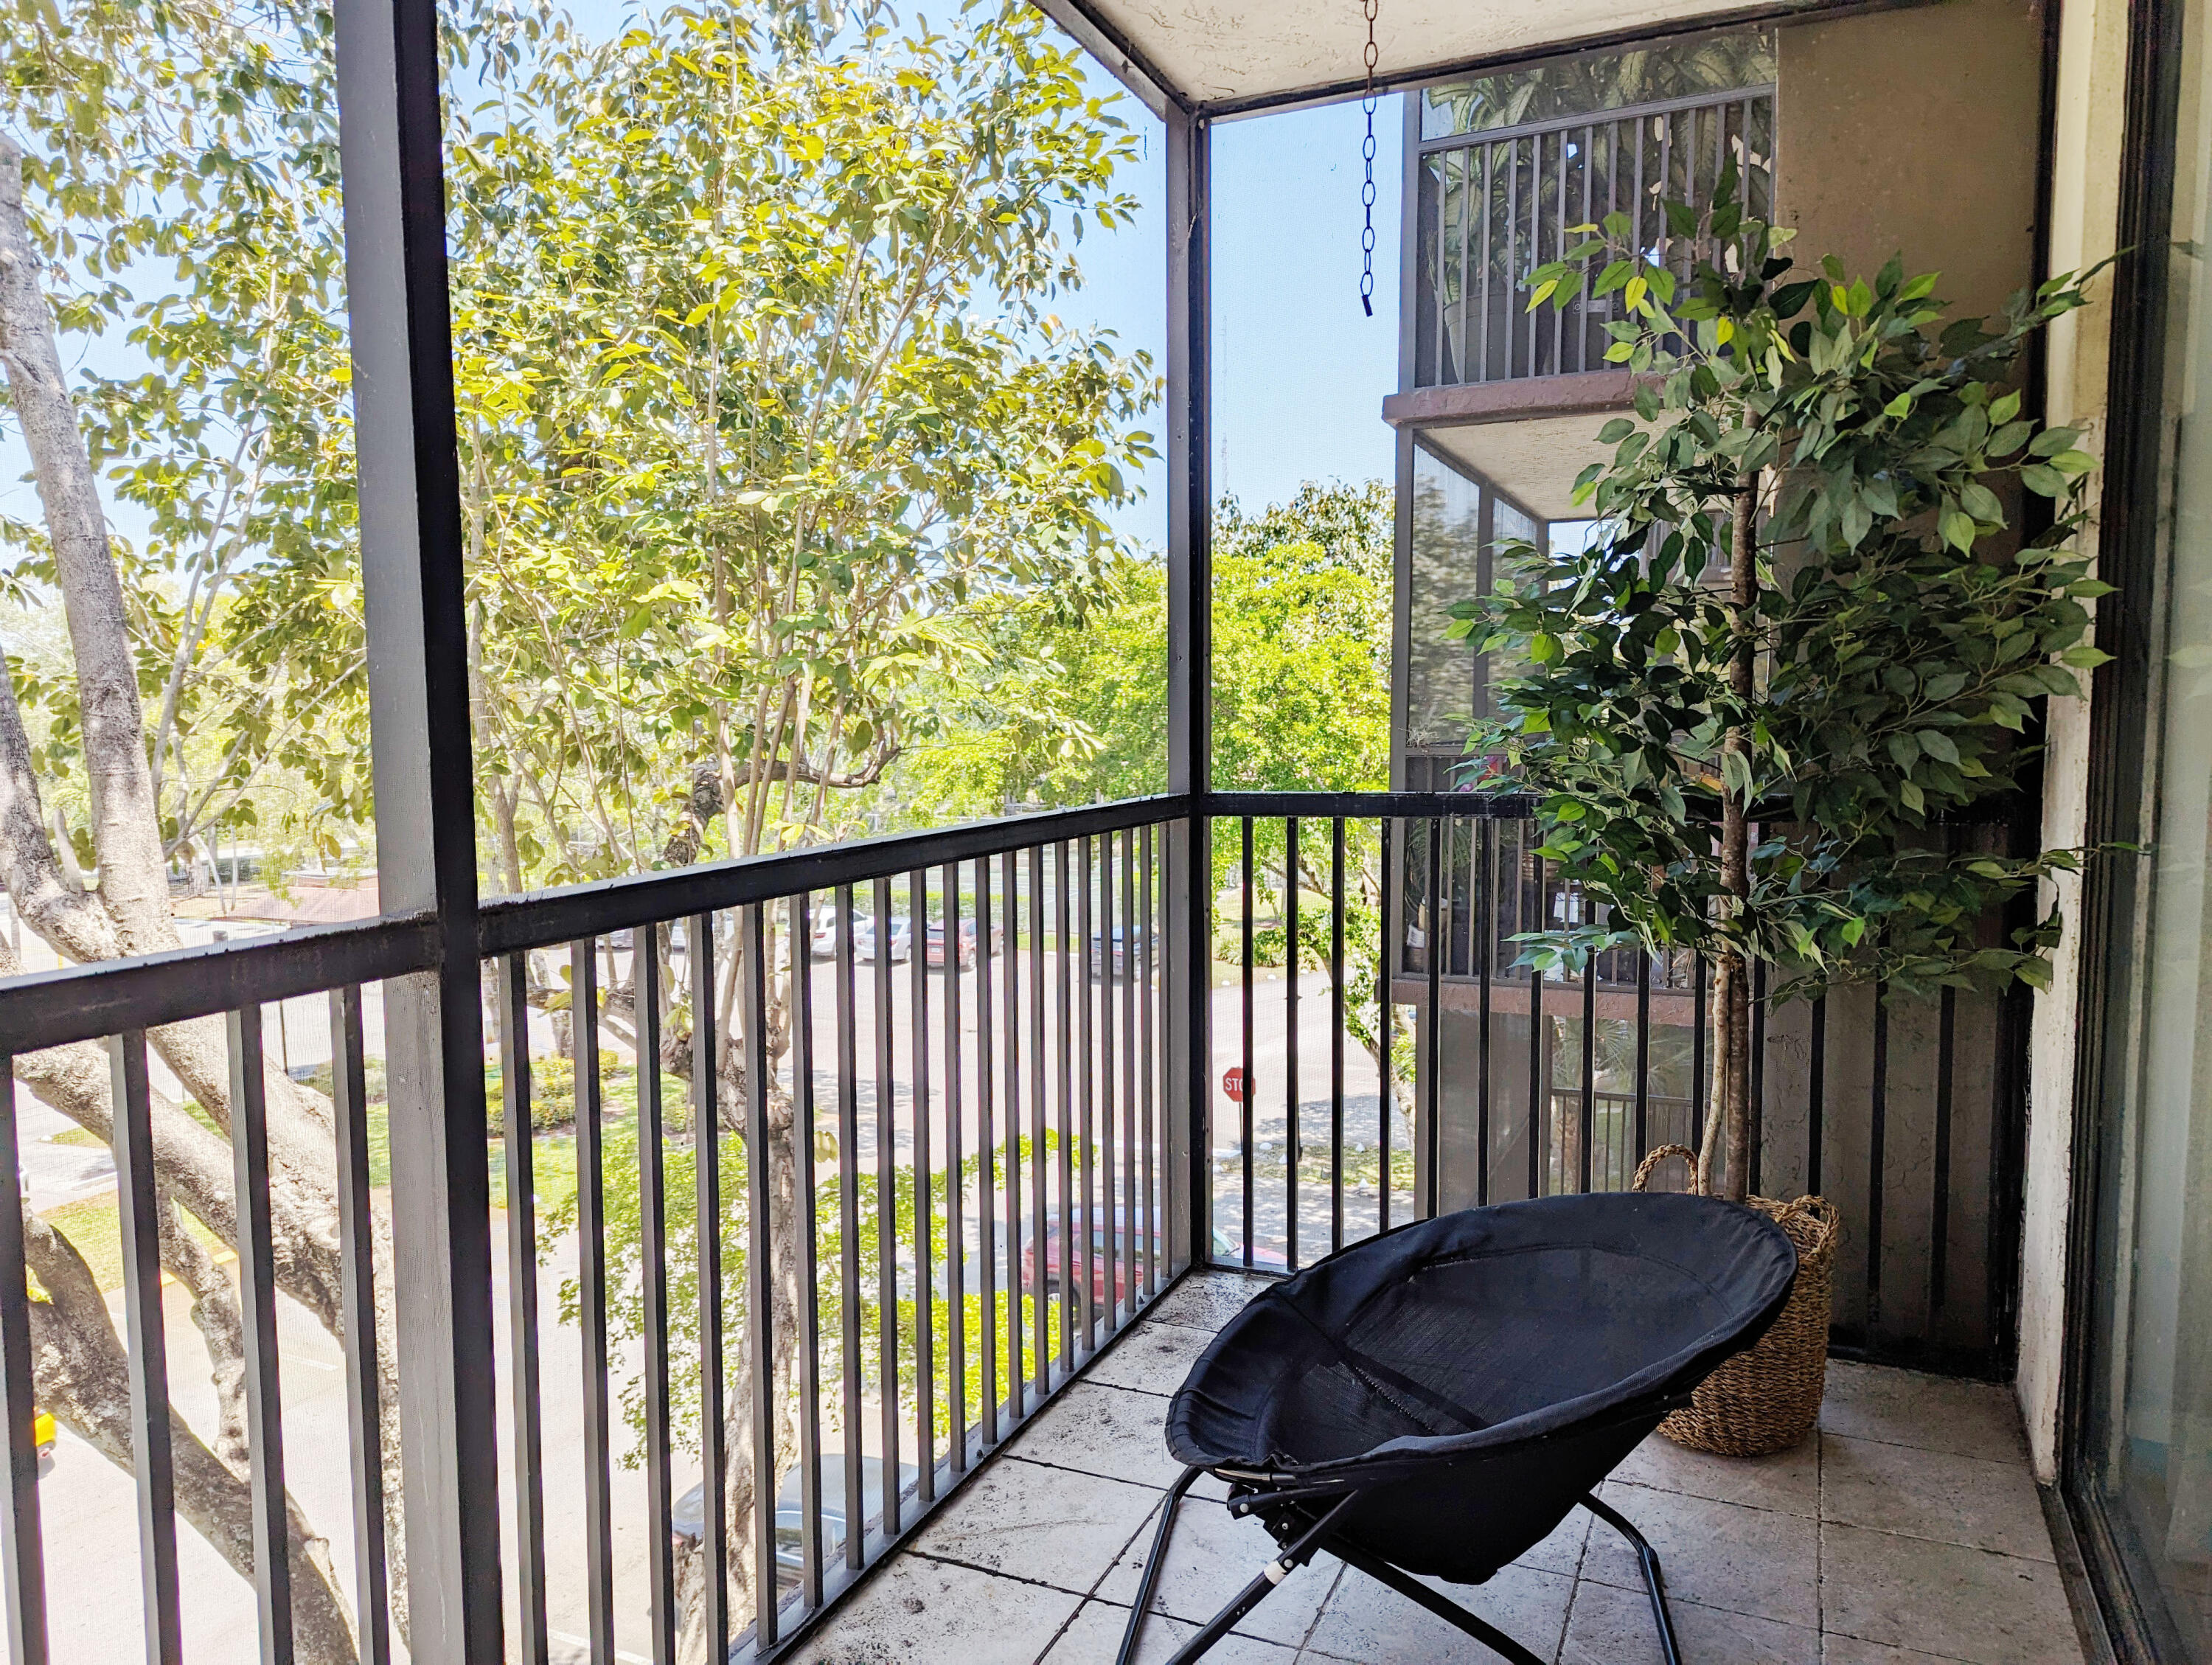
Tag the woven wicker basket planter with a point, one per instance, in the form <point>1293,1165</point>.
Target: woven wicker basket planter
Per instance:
<point>1769,1398</point>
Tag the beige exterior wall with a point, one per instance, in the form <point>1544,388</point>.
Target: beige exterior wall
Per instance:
<point>2084,212</point>
<point>1917,131</point>
<point>1914,131</point>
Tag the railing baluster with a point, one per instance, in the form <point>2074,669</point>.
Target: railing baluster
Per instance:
<point>1697,1016</point>
<point>357,1308</point>
<point>925,1231</point>
<point>152,1458</point>
<point>1755,1111</point>
<point>760,1275</point>
<point>887,1350</point>
<point>1010,968</point>
<point>1816,1106</point>
<point>653,1288</point>
<point>956,1201</point>
<point>800,913</point>
<point>1433,941</point>
<point>1643,1141</point>
<point>1063,1064</point>
<point>1128,956</point>
<point>522,1278</point>
<point>1537,1051</point>
<point>1486,949</point>
<point>1148,1001</point>
<point>1291,1040</point>
<point>1249,1094</point>
<point>1335,1033</point>
<point>1104,1223</point>
<point>1877,1142</point>
<point>592,1311</point>
<point>1938,1233</point>
<point>1039,1263</point>
<point>848,1226</point>
<point>22,1551</point>
<point>257,1294</point>
<point>706,1144</point>
<point>987,1155</point>
<point>1589,1059</point>
<point>1086,1217</point>
<point>1386,961</point>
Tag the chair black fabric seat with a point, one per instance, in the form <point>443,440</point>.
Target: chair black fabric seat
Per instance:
<point>1445,1394</point>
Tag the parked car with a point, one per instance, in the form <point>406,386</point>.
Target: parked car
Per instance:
<point>1226,1250</point>
<point>902,938</point>
<point>823,942</point>
<point>933,944</point>
<point>1128,941</point>
<point>687,1520</point>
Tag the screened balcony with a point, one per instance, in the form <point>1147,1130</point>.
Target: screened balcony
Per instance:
<point>892,1183</point>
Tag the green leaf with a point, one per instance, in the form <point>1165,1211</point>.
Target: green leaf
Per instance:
<point>1938,745</point>
<point>1959,529</point>
<point>1981,502</point>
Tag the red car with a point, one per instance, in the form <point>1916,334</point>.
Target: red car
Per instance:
<point>1226,1252</point>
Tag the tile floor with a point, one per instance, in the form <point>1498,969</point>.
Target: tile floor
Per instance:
<point>1908,1531</point>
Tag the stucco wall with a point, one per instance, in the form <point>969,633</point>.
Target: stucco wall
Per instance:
<point>1917,131</point>
<point>2092,76</point>
<point>1914,131</point>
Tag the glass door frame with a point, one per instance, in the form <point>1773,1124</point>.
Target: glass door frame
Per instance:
<point>2121,714</point>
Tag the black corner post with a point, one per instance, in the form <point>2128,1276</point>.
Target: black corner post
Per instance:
<point>1190,678</point>
<point>392,165</point>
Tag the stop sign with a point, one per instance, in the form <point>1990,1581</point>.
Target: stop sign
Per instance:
<point>1232,1083</point>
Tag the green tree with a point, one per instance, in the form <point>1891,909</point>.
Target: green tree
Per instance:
<point>1810,632</point>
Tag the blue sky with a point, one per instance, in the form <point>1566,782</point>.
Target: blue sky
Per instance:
<point>1299,373</point>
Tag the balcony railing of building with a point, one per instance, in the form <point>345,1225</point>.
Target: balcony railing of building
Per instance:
<point>962,1157</point>
<point>1493,206</point>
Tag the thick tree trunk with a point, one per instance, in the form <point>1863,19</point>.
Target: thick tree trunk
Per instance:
<point>126,822</point>
<point>1728,1124</point>
<point>132,915</point>
<point>81,1374</point>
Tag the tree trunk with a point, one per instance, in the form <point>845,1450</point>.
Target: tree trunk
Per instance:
<point>80,1373</point>
<point>133,914</point>
<point>1728,1126</point>
<point>126,822</point>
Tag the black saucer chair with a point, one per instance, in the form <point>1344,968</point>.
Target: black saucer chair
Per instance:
<point>1437,1401</point>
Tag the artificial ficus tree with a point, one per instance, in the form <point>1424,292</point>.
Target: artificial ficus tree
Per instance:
<point>1832,581</point>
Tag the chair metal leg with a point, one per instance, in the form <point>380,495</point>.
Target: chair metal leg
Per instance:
<point>1442,1606</point>
<point>1295,1556</point>
<point>1151,1578</point>
<point>1654,1581</point>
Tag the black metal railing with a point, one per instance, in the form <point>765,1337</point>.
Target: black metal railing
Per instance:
<point>1494,206</point>
<point>863,1152</point>
<point>1493,1080</point>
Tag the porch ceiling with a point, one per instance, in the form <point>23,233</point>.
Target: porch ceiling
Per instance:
<point>1227,56</point>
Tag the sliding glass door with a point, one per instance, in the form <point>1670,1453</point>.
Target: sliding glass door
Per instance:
<point>2141,1478</point>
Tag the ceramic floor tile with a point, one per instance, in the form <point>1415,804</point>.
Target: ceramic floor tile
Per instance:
<point>1610,1626</point>
<point>1933,1494</point>
<point>1788,1481</point>
<point>1849,1651</point>
<point>919,1609</point>
<point>1045,1524</point>
<point>1103,1430</point>
<point>1929,1413</point>
<point>1094,1638</point>
<point>1944,1599</point>
<point>1371,1624</point>
<point>1154,1358</point>
<point>1206,1300</point>
<point>1209,1558</point>
<point>1756,1561</point>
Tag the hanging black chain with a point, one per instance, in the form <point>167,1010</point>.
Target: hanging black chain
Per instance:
<point>1367,190</point>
